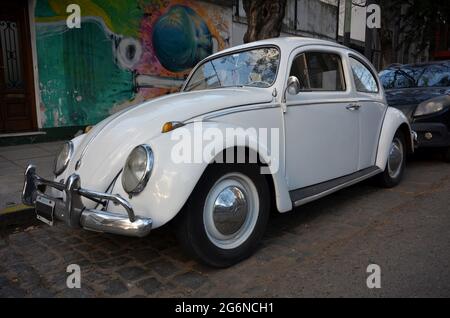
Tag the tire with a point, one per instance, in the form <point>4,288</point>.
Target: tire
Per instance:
<point>223,244</point>
<point>447,155</point>
<point>393,175</point>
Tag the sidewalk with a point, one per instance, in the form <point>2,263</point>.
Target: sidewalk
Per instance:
<point>13,161</point>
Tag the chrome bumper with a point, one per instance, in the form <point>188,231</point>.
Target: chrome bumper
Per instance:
<point>71,210</point>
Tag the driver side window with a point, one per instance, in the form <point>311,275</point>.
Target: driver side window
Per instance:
<point>318,71</point>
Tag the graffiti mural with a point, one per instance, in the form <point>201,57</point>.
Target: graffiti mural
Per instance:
<point>124,53</point>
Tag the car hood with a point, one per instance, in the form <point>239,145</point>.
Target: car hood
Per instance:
<point>407,99</point>
<point>103,151</point>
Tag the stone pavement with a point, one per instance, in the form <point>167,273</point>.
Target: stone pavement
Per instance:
<point>322,249</point>
<point>13,161</point>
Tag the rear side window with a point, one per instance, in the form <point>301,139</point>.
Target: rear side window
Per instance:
<point>318,71</point>
<point>365,82</point>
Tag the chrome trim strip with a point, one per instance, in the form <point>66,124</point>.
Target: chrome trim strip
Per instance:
<point>238,109</point>
<point>329,101</point>
<point>234,107</point>
<point>335,189</point>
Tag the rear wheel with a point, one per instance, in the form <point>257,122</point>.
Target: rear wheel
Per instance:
<point>226,215</point>
<point>396,162</point>
<point>447,154</point>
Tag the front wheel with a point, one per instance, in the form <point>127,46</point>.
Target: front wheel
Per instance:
<point>226,215</point>
<point>396,163</point>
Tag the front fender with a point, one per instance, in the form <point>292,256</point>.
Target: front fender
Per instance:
<point>393,121</point>
<point>172,183</point>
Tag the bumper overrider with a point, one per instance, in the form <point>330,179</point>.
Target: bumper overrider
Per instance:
<point>69,208</point>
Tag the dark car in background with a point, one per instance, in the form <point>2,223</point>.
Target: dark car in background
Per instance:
<point>422,93</point>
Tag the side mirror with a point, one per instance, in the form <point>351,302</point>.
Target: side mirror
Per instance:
<point>293,85</point>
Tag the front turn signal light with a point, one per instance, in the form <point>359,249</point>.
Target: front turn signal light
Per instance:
<point>171,125</point>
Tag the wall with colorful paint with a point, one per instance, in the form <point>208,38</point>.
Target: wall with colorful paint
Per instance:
<point>125,52</point>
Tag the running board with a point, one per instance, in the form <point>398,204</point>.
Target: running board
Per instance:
<point>312,193</point>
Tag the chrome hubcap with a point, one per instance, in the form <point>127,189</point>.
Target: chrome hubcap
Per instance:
<point>396,157</point>
<point>231,211</point>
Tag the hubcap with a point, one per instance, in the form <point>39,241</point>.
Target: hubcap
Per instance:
<point>396,157</point>
<point>231,211</point>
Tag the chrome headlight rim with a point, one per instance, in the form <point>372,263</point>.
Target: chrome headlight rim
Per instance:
<point>147,172</point>
<point>57,172</point>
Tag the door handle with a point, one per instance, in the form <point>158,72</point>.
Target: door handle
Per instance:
<point>353,107</point>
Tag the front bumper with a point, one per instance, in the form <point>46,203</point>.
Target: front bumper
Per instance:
<point>69,208</point>
<point>434,135</point>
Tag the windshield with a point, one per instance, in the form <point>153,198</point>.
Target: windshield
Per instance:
<point>257,68</point>
<point>428,75</point>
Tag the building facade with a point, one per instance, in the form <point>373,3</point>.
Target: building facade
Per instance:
<point>57,78</point>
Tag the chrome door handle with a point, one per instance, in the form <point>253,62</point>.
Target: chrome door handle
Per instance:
<point>353,107</point>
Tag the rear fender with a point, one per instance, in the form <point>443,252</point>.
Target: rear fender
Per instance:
<point>393,121</point>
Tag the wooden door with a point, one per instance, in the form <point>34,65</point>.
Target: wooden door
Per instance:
<point>17,102</point>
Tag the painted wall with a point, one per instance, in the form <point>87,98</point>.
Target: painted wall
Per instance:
<point>124,53</point>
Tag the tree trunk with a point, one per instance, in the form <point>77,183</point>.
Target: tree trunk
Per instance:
<point>264,19</point>
<point>368,49</point>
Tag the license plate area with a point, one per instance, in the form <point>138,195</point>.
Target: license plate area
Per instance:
<point>45,210</point>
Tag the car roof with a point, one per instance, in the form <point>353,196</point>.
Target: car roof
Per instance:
<point>284,43</point>
<point>413,65</point>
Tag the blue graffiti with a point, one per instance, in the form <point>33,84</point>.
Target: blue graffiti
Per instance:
<point>181,39</point>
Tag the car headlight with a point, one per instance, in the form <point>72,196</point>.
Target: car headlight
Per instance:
<point>432,106</point>
<point>63,158</point>
<point>137,170</point>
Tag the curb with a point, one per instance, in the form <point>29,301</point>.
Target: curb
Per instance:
<point>16,217</point>
<point>15,209</point>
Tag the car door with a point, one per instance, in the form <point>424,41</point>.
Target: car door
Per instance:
<point>321,122</point>
<point>371,112</point>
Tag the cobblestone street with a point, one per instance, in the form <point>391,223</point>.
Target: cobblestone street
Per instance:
<point>321,249</point>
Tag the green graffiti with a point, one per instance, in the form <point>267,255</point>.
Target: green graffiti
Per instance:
<point>120,17</point>
<point>79,79</point>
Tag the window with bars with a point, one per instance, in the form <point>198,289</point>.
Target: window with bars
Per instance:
<point>10,54</point>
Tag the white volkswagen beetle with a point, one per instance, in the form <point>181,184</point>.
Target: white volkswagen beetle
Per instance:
<point>327,127</point>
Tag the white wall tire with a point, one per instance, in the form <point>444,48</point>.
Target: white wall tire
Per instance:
<point>226,215</point>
